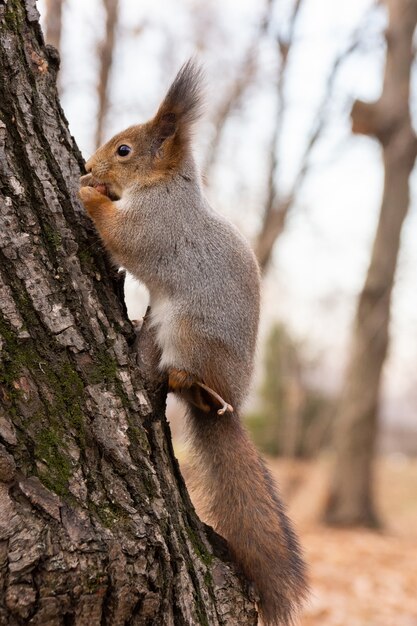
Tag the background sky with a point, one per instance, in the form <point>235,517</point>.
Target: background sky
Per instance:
<point>319,263</point>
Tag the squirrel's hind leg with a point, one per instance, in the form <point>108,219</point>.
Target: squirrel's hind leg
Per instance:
<point>224,406</point>
<point>184,384</point>
<point>196,392</point>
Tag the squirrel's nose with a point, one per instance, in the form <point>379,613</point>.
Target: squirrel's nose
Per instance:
<point>88,166</point>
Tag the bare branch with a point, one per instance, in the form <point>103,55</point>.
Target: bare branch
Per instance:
<point>276,207</point>
<point>106,53</point>
<point>53,28</point>
<point>274,218</point>
<point>53,23</point>
<point>322,113</point>
<point>364,116</point>
<point>246,75</point>
<point>284,48</point>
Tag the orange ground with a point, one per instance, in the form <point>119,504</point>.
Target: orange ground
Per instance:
<point>358,577</point>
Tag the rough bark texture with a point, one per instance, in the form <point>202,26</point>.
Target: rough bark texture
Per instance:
<point>388,120</point>
<point>95,523</point>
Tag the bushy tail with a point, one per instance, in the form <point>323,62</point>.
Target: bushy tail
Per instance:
<point>240,501</point>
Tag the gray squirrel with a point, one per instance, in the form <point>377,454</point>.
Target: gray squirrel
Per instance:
<point>144,194</point>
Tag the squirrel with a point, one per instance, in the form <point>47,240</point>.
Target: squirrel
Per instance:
<point>143,192</point>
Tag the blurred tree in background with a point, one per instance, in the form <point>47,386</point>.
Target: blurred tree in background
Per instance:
<point>388,120</point>
<point>292,419</point>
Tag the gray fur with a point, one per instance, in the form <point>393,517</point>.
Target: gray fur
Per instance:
<point>185,252</point>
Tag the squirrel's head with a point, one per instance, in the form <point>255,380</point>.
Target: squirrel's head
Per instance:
<point>150,152</point>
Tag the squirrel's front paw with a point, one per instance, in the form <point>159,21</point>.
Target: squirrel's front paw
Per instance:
<point>93,200</point>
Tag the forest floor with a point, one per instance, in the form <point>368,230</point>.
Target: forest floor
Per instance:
<point>358,577</point>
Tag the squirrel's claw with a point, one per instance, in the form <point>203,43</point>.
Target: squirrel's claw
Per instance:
<point>225,405</point>
<point>179,380</point>
<point>93,201</point>
<point>88,193</point>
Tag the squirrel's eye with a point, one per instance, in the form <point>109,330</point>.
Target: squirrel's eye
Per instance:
<point>123,150</point>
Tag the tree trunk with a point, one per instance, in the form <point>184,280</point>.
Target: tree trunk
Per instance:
<point>96,527</point>
<point>388,120</point>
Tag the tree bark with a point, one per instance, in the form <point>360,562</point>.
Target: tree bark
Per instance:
<point>96,527</point>
<point>388,120</point>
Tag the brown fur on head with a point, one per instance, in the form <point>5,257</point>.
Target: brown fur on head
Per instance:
<point>153,150</point>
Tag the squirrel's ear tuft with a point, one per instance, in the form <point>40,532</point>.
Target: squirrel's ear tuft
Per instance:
<point>182,105</point>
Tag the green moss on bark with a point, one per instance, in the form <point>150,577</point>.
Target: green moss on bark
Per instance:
<point>49,450</point>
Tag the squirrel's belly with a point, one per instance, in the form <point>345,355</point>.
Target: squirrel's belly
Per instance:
<point>164,322</point>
